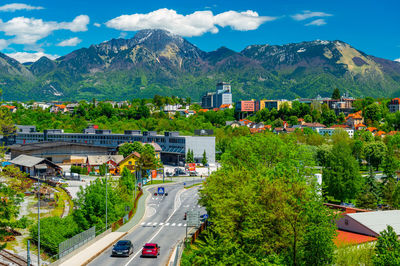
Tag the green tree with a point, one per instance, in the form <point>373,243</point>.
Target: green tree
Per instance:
<point>204,160</point>
<point>336,94</point>
<point>341,177</point>
<point>372,113</point>
<point>374,153</point>
<point>190,156</point>
<point>128,148</point>
<point>387,249</point>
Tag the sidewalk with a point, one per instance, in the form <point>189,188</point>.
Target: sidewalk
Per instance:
<point>90,252</point>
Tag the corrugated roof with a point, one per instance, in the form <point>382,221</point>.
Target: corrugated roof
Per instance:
<point>378,221</point>
<point>102,159</point>
<point>344,238</point>
<point>26,160</point>
<point>48,144</point>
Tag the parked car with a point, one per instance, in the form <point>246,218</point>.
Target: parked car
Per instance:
<point>168,174</point>
<point>151,250</point>
<point>122,248</point>
<point>193,173</point>
<point>179,171</point>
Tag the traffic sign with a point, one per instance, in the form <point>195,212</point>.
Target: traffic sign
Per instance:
<point>161,190</point>
<point>193,218</point>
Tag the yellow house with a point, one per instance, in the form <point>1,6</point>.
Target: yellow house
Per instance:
<point>129,162</point>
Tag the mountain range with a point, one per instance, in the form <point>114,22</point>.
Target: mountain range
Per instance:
<point>159,62</point>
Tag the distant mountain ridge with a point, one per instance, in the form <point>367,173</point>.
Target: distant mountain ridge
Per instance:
<point>159,62</point>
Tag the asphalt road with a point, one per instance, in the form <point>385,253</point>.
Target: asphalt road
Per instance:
<point>163,224</point>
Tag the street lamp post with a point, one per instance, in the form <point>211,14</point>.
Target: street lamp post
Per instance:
<point>39,222</point>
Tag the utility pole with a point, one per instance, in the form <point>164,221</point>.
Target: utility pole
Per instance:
<point>39,222</point>
<point>28,256</point>
<point>106,201</point>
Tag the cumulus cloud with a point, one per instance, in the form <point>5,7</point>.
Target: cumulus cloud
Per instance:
<point>18,6</point>
<point>24,57</point>
<point>194,24</point>
<point>98,25</point>
<point>3,44</point>
<point>29,30</point>
<point>397,60</point>
<point>309,14</point>
<point>317,22</point>
<point>70,42</point>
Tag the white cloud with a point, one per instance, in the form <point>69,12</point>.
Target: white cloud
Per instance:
<point>3,44</point>
<point>317,22</point>
<point>29,30</point>
<point>18,6</point>
<point>23,57</point>
<point>397,60</point>
<point>70,42</point>
<point>98,25</point>
<point>309,14</point>
<point>194,24</point>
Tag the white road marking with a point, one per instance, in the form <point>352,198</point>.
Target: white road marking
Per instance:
<point>179,224</point>
<point>184,225</point>
<point>148,223</point>
<point>161,223</point>
<point>166,224</point>
<point>173,224</point>
<point>176,205</point>
<point>151,212</point>
<point>154,224</point>
<point>143,223</point>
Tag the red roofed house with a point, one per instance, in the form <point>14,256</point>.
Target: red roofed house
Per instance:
<point>360,126</point>
<point>354,119</point>
<point>203,110</point>
<point>372,129</point>
<point>339,126</point>
<point>58,108</point>
<point>380,133</point>
<point>225,106</point>
<point>12,108</point>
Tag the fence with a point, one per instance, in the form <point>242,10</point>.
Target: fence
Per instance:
<point>127,217</point>
<point>76,241</point>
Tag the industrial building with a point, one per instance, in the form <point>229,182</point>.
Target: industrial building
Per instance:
<point>174,147</point>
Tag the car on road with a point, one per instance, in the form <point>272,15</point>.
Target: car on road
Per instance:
<point>151,250</point>
<point>123,248</point>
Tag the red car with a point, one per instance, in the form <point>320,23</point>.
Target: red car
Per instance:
<point>151,250</point>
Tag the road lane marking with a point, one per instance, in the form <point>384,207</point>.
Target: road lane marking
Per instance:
<point>148,223</point>
<point>184,225</point>
<point>176,205</point>
<point>166,224</point>
<point>173,224</point>
<point>154,224</point>
<point>143,223</point>
<point>161,223</point>
<point>179,224</point>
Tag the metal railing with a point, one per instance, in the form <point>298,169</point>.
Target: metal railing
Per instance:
<point>76,241</point>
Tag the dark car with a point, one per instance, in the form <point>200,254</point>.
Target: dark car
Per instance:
<point>122,248</point>
<point>151,250</point>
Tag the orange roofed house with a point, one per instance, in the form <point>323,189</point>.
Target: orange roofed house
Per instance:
<point>354,119</point>
<point>12,108</point>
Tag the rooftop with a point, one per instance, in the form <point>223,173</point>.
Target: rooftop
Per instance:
<point>377,221</point>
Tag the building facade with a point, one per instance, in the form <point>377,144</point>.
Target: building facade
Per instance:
<point>394,105</point>
<point>174,147</point>
<point>222,96</point>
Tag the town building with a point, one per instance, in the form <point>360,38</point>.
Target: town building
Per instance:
<point>130,162</point>
<point>271,104</point>
<point>354,119</point>
<point>94,162</point>
<point>245,106</point>
<point>36,166</point>
<point>330,130</point>
<point>60,152</point>
<point>222,96</point>
<point>370,223</point>
<point>394,105</point>
<point>174,147</point>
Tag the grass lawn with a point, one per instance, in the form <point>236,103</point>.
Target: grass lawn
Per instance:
<point>155,182</point>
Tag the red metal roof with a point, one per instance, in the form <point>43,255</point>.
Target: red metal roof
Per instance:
<point>344,238</point>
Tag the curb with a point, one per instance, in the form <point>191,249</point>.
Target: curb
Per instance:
<point>101,251</point>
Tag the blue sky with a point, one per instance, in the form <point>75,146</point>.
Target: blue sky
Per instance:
<point>30,29</point>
